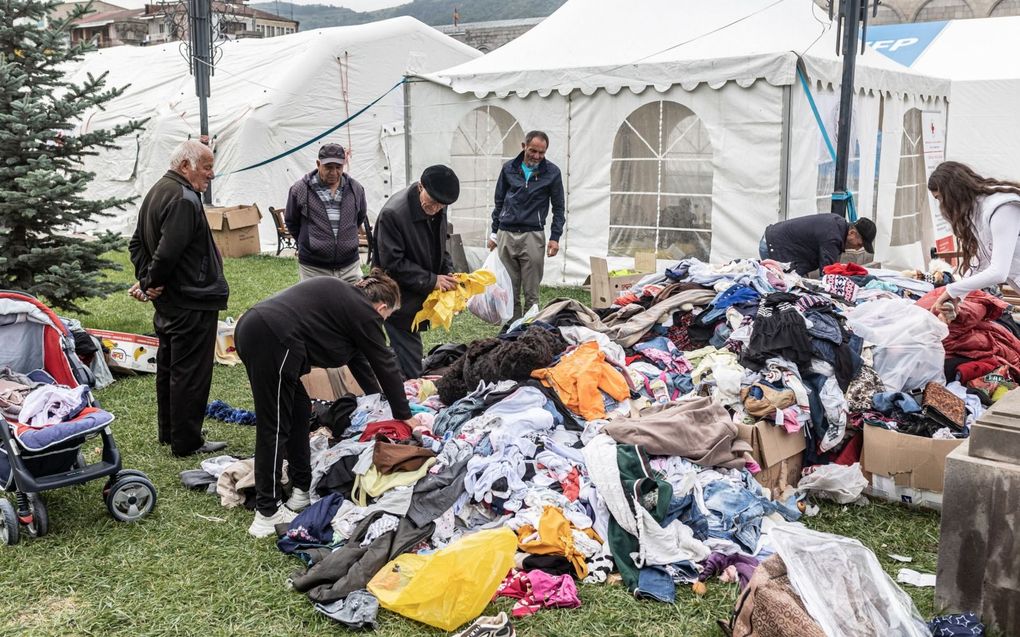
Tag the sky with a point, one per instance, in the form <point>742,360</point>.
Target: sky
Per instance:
<point>356,5</point>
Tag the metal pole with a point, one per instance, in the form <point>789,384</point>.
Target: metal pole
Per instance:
<point>851,10</point>
<point>200,32</point>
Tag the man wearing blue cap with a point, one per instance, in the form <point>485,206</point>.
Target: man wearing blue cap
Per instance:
<point>411,247</point>
<point>325,208</point>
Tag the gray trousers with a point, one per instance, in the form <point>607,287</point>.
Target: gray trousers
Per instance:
<point>351,274</point>
<point>523,254</point>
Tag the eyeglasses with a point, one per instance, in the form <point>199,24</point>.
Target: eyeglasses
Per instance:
<point>428,204</point>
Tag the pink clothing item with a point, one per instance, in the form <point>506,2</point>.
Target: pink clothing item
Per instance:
<point>554,591</point>
<point>790,421</point>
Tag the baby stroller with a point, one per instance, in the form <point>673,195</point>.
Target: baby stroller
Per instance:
<point>37,352</point>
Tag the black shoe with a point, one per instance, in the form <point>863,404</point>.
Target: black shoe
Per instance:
<point>207,447</point>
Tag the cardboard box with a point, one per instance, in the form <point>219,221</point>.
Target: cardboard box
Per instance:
<point>235,229</point>
<point>905,468</point>
<point>128,352</point>
<point>330,384</point>
<point>606,288</point>
<point>780,454</point>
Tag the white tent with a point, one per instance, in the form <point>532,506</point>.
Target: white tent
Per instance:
<point>268,97</point>
<point>680,126</point>
<point>979,57</point>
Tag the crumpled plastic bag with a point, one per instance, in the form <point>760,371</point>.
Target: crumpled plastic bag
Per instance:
<point>841,483</point>
<point>496,304</point>
<point>908,342</point>
<point>441,306</point>
<point>451,586</point>
<point>843,586</point>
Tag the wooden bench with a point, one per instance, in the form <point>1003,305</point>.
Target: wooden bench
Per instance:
<point>1009,295</point>
<point>284,239</point>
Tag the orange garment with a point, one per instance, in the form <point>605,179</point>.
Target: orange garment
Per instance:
<point>555,536</point>
<point>579,376</point>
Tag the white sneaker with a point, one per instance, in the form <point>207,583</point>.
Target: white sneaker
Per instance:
<point>298,500</point>
<point>265,526</point>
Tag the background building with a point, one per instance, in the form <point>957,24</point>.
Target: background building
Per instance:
<point>111,25</point>
<point>897,11</point>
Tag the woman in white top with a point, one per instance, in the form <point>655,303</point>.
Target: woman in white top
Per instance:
<point>985,216</point>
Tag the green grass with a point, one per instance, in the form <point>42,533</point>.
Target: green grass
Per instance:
<point>191,569</point>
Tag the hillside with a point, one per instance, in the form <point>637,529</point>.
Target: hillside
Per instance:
<point>433,12</point>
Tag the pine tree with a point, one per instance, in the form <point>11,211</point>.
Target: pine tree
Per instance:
<point>42,178</point>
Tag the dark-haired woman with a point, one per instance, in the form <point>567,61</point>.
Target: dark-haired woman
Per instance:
<point>320,322</point>
<point>985,216</point>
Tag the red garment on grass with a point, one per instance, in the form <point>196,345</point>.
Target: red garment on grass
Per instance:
<point>975,334</point>
<point>845,269</point>
<point>392,429</point>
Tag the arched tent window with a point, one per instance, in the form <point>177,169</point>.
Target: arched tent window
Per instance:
<point>1004,8</point>
<point>943,10</point>
<point>485,138</point>
<point>911,203</point>
<point>661,184</point>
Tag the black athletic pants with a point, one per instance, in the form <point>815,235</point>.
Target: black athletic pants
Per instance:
<point>184,366</point>
<point>408,348</point>
<point>282,410</point>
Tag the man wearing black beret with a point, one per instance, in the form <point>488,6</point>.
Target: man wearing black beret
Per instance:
<point>411,248</point>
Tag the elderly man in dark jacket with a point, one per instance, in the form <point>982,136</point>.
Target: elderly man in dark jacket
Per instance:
<point>812,242</point>
<point>325,208</point>
<point>180,270</point>
<point>411,246</point>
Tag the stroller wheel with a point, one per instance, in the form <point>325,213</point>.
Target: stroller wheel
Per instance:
<point>123,473</point>
<point>8,523</point>
<point>40,525</point>
<point>130,498</point>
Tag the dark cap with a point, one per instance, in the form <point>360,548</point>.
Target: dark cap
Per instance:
<point>441,183</point>
<point>332,154</point>
<point>866,228</point>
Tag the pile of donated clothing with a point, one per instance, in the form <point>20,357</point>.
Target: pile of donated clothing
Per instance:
<point>606,441</point>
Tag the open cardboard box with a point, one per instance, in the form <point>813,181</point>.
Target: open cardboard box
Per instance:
<point>606,288</point>
<point>330,384</point>
<point>780,454</point>
<point>235,229</point>
<point>128,352</point>
<point>905,468</point>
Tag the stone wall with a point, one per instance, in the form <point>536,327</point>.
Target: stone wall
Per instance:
<point>896,11</point>
<point>489,36</point>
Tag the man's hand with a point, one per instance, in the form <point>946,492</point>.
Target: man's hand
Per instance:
<point>135,292</point>
<point>491,244</point>
<point>446,282</point>
<point>412,422</point>
<point>553,248</point>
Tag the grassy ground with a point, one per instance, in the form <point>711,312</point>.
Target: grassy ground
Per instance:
<point>191,569</point>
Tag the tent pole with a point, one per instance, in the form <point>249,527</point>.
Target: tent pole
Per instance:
<point>784,159</point>
<point>407,131</point>
<point>852,17</point>
<point>200,29</point>
<point>566,196</point>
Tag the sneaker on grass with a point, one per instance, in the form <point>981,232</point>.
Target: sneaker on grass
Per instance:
<point>298,500</point>
<point>265,525</point>
<point>498,626</point>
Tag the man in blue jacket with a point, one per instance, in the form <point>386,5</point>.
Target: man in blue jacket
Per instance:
<point>325,208</point>
<point>528,185</point>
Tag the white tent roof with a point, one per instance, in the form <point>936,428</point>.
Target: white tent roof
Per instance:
<point>268,96</point>
<point>978,49</point>
<point>666,42</point>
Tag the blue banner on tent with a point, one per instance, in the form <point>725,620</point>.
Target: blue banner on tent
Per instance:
<point>904,43</point>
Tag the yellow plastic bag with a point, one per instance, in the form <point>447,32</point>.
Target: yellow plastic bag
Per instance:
<point>440,307</point>
<point>451,586</point>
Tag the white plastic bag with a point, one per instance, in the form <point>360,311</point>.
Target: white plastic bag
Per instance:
<point>908,342</point>
<point>835,482</point>
<point>496,304</point>
<point>843,586</point>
